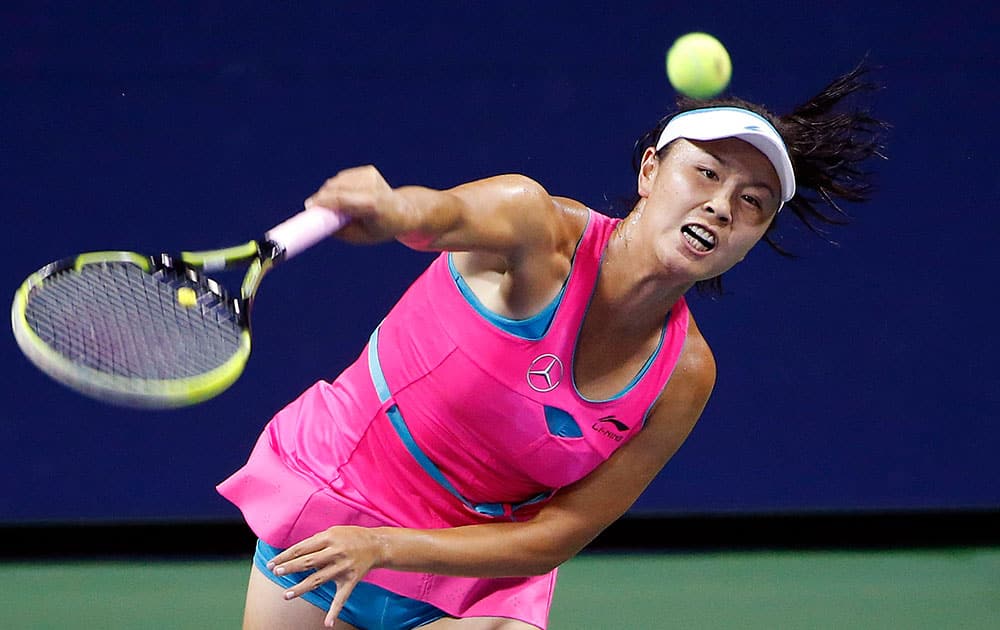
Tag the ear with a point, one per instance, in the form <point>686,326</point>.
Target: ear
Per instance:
<point>648,169</point>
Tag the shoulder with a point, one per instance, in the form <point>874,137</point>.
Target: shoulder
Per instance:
<point>527,206</point>
<point>573,219</point>
<point>512,190</point>
<point>696,368</point>
<point>687,392</point>
<point>524,214</point>
<point>567,216</point>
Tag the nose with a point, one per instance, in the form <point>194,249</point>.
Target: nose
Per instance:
<point>721,211</point>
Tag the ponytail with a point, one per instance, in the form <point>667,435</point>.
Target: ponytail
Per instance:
<point>828,142</point>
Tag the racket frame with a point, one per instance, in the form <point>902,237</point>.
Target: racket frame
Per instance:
<point>283,241</point>
<point>257,256</point>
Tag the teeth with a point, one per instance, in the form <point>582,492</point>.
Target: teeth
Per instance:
<point>704,234</point>
<point>700,238</point>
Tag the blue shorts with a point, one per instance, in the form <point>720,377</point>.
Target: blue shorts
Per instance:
<point>369,607</point>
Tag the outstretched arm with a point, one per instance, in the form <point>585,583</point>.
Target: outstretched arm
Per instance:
<point>506,214</point>
<point>514,241</point>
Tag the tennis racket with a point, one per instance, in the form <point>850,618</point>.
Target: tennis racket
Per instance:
<point>152,332</point>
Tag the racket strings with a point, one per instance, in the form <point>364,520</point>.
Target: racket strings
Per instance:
<point>117,319</point>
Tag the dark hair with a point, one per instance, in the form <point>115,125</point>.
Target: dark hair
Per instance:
<point>827,147</point>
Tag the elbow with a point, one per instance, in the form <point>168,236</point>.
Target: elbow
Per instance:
<point>548,565</point>
<point>542,563</point>
<point>544,558</point>
<point>536,566</point>
<point>554,536</point>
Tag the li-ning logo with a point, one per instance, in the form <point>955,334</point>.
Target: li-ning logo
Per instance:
<point>545,373</point>
<point>600,427</point>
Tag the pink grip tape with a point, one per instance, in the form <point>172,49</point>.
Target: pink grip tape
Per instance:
<point>305,229</point>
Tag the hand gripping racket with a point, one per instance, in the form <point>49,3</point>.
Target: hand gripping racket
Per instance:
<point>152,331</point>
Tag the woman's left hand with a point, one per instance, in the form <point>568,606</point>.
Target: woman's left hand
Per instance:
<point>342,555</point>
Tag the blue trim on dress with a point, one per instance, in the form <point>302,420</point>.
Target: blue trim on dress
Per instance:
<point>533,328</point>
<point>399,424</point>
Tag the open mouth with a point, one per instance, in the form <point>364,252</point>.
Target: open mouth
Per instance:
<point>698,237</point>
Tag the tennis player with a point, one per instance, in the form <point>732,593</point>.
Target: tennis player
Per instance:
<point>531,382</point>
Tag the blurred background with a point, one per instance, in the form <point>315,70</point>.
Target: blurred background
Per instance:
<point>858,379</point>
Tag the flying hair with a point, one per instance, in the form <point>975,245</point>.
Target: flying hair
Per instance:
<point>829,142</point>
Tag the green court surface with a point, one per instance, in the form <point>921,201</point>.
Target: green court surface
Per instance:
<point>954,588</point>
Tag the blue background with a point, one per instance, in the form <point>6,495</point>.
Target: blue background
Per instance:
<point>859,377</point>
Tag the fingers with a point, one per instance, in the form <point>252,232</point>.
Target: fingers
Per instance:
<point>312,581</point>
<point>365,220</point>
<point>343,580</point>
<point>344,591</point>
<point>341,555</point>
<point>318,555</point>
<point>350,203</point>
<point>352,189</point>
<point>307,546</point>
<point>298,562</point>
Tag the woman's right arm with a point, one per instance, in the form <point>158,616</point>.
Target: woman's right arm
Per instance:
<point>515,243</point>
<point>507,215</point>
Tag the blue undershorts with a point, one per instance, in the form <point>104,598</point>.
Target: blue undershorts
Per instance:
<point>369,607</point>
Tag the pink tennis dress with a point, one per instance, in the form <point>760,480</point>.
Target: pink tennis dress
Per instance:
<point>445,420</point>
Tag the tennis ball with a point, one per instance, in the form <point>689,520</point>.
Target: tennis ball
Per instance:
<point>187,297</point>
<point>698,65</point>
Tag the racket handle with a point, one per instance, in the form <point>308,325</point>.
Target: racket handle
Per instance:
<point>305,229</point>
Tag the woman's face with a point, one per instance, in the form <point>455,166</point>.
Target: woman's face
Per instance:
<point>707,203</point>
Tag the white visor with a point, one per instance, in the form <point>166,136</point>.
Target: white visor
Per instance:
<point>716,123</point>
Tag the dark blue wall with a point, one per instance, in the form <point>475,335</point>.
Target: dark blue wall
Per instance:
<point>858,377</point>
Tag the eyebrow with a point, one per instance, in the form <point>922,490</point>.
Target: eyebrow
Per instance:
<point>723,162</point>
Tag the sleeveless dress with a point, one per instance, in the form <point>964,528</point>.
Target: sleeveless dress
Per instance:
<point>446,420</point>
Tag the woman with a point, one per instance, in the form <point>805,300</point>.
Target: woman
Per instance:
<point>531,383</point>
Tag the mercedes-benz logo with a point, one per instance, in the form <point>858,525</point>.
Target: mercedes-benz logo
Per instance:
<point>545,373</point>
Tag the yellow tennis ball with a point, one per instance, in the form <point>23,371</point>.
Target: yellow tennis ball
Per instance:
<point>698,65</point>
<point>187,297</point>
